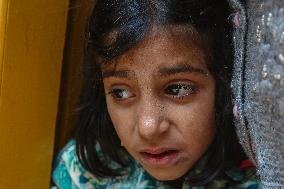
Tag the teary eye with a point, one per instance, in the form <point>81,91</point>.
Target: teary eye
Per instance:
<point>180,90</point>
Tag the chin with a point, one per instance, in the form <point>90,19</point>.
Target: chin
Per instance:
<point>166,175</point>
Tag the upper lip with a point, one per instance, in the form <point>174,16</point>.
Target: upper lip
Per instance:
<point>157,150</point>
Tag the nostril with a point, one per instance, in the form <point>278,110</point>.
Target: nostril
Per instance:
<point>164,125</point>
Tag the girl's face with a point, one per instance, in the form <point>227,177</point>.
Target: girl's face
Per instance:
<point>160,97</point>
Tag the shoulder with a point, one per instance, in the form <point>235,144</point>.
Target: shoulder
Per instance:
<point>249,179</point>
<point>68,173</point>
<point>238,179</point>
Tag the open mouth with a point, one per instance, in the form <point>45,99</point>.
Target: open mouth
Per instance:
<point>163,158</point>
<point>159,155</point>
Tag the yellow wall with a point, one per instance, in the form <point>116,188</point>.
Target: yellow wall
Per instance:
<point>31,50</point>
<point>3,17</point>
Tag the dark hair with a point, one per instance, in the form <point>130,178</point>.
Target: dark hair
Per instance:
<point>129,22</point>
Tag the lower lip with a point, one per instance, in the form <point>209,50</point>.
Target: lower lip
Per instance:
<point>166,159</point>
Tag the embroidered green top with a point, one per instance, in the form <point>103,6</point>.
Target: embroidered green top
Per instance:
<point>68,173</point>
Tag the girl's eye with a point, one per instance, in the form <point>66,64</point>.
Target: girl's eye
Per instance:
<point>180,90</point>
<point>120,94</point>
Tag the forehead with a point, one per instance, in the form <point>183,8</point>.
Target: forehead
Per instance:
<point>164,43</point>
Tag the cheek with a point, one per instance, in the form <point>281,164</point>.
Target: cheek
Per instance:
<point>196,123</point>
<point>122,119</point>
<point>197,132</point>
<point>199,114</point>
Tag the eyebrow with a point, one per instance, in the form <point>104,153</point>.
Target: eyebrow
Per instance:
<point>116,73</point>
<point>181,68</point>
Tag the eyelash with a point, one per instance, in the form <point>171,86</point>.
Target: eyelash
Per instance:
<point>174,89</point>
<point>115,92</point>
<point>178,91</point>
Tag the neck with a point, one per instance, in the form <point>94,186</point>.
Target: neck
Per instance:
<point>176,184</point>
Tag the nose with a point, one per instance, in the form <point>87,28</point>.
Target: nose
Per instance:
<point>152,121</point>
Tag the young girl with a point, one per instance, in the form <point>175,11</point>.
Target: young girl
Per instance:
<point>156,109</point>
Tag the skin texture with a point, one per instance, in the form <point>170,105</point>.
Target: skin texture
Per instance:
<point>160,96</point>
